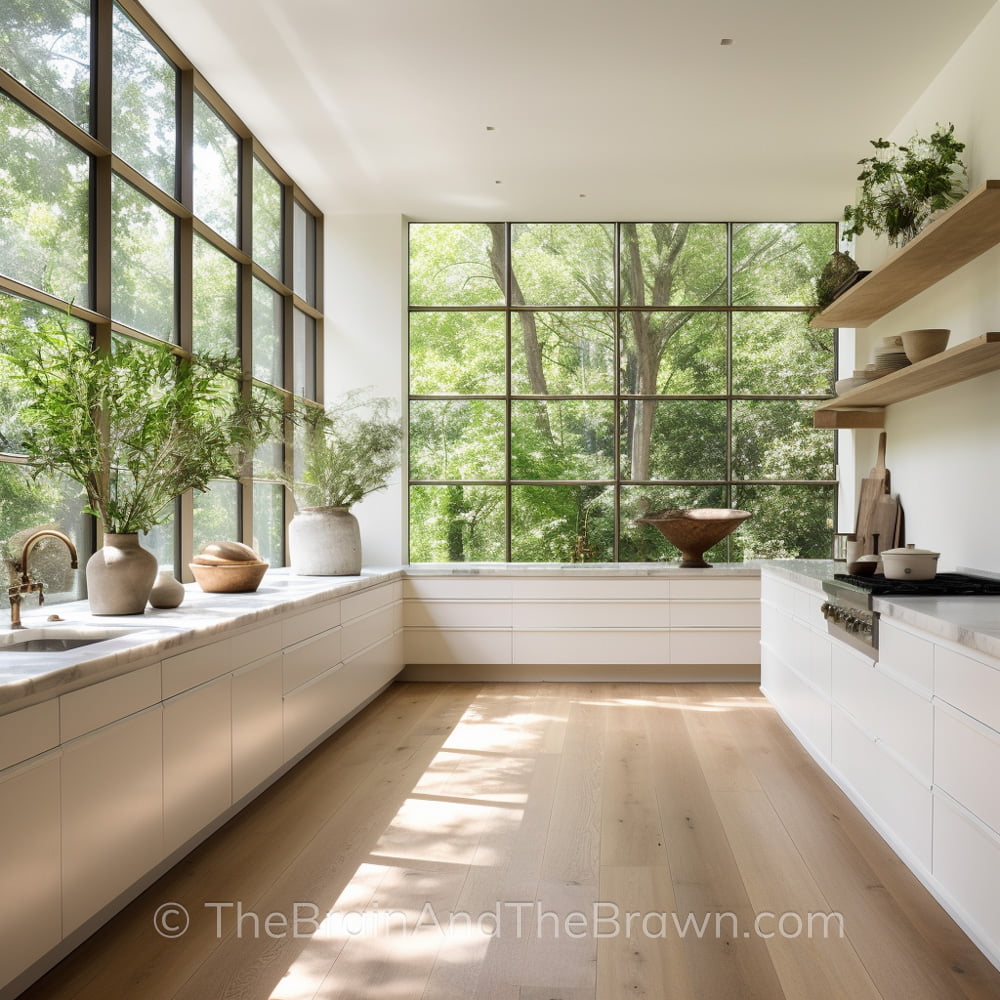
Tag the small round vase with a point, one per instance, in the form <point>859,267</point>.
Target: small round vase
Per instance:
<point>324,541</point>
<point>167,591</point>
<point>120,576</point>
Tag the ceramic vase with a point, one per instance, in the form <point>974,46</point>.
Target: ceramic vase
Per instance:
<point>120,576</point>
<point>167,591</point>
<point>324,541</point>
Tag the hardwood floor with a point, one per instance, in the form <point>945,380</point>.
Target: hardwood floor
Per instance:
<point>541,842</point>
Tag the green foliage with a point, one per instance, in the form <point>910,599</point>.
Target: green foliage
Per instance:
<point>136,427</point>
<point>902,186</point>
<point>350,450</point>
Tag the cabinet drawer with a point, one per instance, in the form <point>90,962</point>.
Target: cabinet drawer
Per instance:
<point>256,643</point>
<point>971,685</point>
<point>591,614</point>
<point>714,646</point>
<point>309,659</point>
<point>28,732</point>
<point>967,866</point>
<point>372,628</point>
<point>800,704</point>
<point>689,588</point>
<point>906,654</point>
<point>298,628</point>
<point>464,586</point>
<point>550,588</point>
<point>593,646</point>
<point>101,704</point>
<point>257,724</point>
<point>966,763</point>
<point>309,711</point>
<point>366,601</point>
<point>198,666</point>
<point>715,614</point>
<point>456,614</point>
<point>458,646</point>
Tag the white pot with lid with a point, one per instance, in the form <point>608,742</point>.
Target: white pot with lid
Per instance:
<point>909,563</point>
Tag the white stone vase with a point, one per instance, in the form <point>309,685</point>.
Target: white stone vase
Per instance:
<point>120,576</point>
<point>167,592</point>
<point>324,541</point>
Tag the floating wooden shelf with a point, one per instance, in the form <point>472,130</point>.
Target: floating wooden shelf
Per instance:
<point>864,406</point>
<point>967,229</point>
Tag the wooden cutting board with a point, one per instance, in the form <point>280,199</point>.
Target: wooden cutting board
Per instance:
<point>874,487</point>
<point>886,523</point>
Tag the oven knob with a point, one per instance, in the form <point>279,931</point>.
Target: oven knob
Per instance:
<point>827,610</point>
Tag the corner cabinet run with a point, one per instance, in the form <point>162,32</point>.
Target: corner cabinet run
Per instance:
<point>913,740</point>
<point>106,786</point>
<point>597,627</point>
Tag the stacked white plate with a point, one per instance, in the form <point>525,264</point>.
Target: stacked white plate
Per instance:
<point>889,356</point>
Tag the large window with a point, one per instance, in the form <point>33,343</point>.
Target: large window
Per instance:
<point>567,378</point>
<point>122,222</point>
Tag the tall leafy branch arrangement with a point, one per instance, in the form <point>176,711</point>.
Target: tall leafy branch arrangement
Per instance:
<point>900,187</point>
<point>136,427</point>
<point>350,450</point>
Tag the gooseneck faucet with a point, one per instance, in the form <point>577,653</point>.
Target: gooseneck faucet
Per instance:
<point>26,585</point>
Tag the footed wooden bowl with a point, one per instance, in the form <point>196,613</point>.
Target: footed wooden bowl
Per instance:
<point>229,578</point>
<point>694,530</point>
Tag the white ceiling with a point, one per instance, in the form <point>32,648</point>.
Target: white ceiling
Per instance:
<point>383,105</point>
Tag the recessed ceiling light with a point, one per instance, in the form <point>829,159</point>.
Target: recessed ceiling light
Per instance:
<point>490,128</point>
<point>725,41</point>
<point>498,182</point>
<point>583,196</point>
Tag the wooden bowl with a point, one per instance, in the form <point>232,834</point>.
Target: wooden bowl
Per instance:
<point>229,578</point>
<point>694,530</point>
<point>920,344</point>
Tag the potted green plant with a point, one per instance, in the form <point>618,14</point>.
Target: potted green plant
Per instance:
<point>135,427</point>
<point>349,450</point>
<point>901,187</point>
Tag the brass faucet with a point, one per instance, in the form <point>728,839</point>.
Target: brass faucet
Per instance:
<point>26,585</point>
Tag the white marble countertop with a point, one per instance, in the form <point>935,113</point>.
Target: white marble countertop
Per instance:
<point>29,677</point>
<point>580,569</point>
<point>806,572</point>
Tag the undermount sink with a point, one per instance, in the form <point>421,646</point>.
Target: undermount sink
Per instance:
<point>56,638</point>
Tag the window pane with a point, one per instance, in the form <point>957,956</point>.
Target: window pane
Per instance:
<point>143,104</point>
<point>454,352</point>
<point>673,353</point>
<point>142,263</point>
<point>304,355</point>
<point>47,47</point>
<point>304,254</point>
<point>217,513</point>
<point>642,542</point>
<point>562,439</point>
<point>562,264</point>
<point>216,171</point>
<point>457,264</point>
<point>269,522</point>
<point>268,349</point>
<point>266,219</point>
<point>775,439</point>
<point>562,523</point>
<point>775,264</point>
<point>562,353</point>
<point>457,524</point>
<point>44,501</point>
<point>673,263</point>
<point>789,522</point>
<point>214,301</point>
<point>162,542</point>
<point>44,206</point>
<point>674,439</point>
<point>457,439</point>
<point>778,354</point>
<point>18,319</point>
<point>269,456</point>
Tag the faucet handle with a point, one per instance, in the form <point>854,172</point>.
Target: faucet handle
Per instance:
<point>41,594</point>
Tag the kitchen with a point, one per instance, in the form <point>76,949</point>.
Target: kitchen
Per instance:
<point>942,450</point>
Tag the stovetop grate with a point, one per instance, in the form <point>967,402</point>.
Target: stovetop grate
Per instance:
<point>943,585</point>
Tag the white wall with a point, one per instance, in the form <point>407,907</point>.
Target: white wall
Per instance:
<point>943,449</point>
<point>365,270</point>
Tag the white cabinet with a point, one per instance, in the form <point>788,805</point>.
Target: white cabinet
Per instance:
<point>112,812</point>
<point>257,724</point>
<point>197,761</point>
<point>30,868</point>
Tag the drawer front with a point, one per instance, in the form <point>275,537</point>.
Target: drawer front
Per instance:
<point>593,646</point>
<point>592,614</point>
<point>906,654</point>
<point>298,628</point>
<point>715,614</point>
<point>372,628</point>
<point>457,588</point>
<point>714,646</point>
<point>28,732</point>
<point>966,764</point>
<point>311,658</point>
<point>799,703</point>
<point>967,866</point>
<point>458,646</point>
<point>970,685</point>
<point>257,643</point>
<point>549,588</point>
<point>101,704</point>
<point>366,601</point>
<point>720,588</point>
<point>456,614</point>
<point>198,666</point>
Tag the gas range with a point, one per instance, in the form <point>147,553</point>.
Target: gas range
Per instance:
<point>848,609</point>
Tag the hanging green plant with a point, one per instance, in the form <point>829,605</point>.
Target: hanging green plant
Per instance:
<point>901,187</point>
